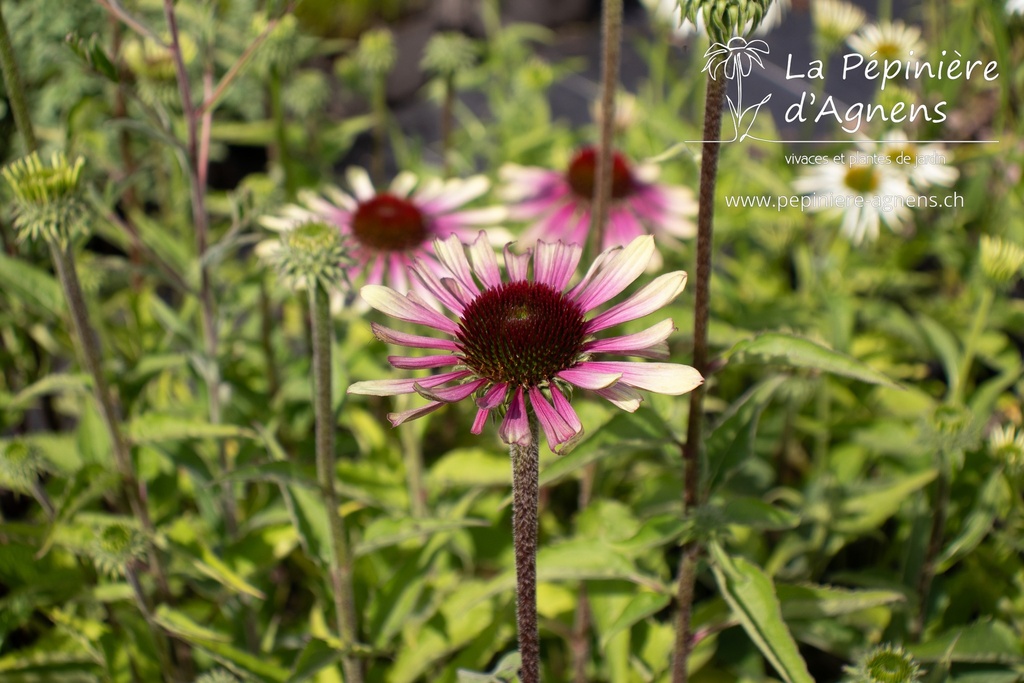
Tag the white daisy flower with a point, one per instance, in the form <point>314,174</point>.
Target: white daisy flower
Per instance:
<point>1015,7</point>
<point>888,40</point>
<point>834,21</point>
<point>863,196</point>
<point>668,11</point>
<point>923,166</point>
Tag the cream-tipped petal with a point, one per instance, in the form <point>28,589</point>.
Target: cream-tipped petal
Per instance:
<point>649,298</point>
<point>452,255</point>
<point>623,396</point>
<point>422,362</point>
<point>618,273</point>
<point>390,302</point>
<point>629,343</point>
<point>389,336</point>
<point>555,264</point>
<point>394,387</point>
<point>449,394</point>
<point>398,418</point>
<point>403,184</point>
<point>517,265</point>
<point>485,263</point>
<point>359,180</point>
<point>457,193</point>
<point>663,378</point>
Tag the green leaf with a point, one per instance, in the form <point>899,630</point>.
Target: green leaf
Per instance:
<point>180,625</point>
<point>983,642</point>
<point>317,655</point>
<point>807,601</point>
<point>732,440</point>
<point>402,530</point>
<point>470,467</point>
<point>641,606</point>
<point>993,500</point>
<point>57,383</point>
<point>751,595</point>
<point>757,514</point>
<point>37,288</point>
<point>309,516</point>
<point>506,671</point>
<point>156,428</point>
<point>214,567</point>
<point>775,348</point>
<point>865,509</point>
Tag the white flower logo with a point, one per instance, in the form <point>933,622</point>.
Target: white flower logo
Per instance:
<point>736,59</point>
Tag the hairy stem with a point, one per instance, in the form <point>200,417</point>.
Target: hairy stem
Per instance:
<point>341,563</point>
<point>611,45</point>
<point>691,449</point>
<point>380,123</point>
<point>15,91</point>
<point>280,149</point>
<point>446,123</point>
<point>525,502</point>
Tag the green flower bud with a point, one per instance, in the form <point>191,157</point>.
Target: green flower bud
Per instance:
<point>117,546</point>
<point>46,198</point>
<point>376,53</point>
<point>885,664</point>
<point>448,53</point>
<point>308,253</point>
<point>1001,261</point>
<point>283,48</point>
<point>725,19</point>
<point>21,465</point>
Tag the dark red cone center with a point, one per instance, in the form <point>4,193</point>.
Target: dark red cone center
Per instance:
<point>582,174</point>
<point>389,223</point>
<point>521,333</point>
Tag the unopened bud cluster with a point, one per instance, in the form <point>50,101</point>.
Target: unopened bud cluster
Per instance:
<point>21,465</point>
<point>47,200</point>
<point>726,19</point>
<point>310,253</point>
<point>376,53</point>
<point>116,548</point>
<point>886,664</point>
<point>1001,261</point>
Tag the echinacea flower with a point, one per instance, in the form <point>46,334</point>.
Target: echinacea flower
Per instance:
<point>523,344</point>
<point>834,21</point>
<point>669,11</point>
<point>863,195</point>
<point>922,165</point>
<point>386,230</point>
<point>888,40</point>
<point>559,203</point>
<point>1015,7</point>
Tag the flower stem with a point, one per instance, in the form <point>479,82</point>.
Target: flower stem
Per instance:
<point>691,449</point>
<point>939,512</point>
<point>611,46</point>
<point>341,563</point>
<point>447,107</point>
<point>15,91</point>
<point>525,502</point>
<point>380,122</point>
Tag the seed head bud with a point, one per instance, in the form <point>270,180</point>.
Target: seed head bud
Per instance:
<point>47,199</point>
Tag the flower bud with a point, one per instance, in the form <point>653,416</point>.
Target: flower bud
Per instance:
<point>448,53</point>
<point>47,198</point>
<point>886,664</point>
<point>117,546</point>
<point>1000,260</point>
<point>376,53</point>
<point>309,253</point>
<point>725,19</point>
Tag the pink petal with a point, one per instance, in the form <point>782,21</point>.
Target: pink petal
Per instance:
<point>623,228</point>
<point>649,298</point>
<point>555,264</point>
<point>397,279</point>
<point>398,418</point>
<point>407,308</point>
<point>556,429</point>
<point>618,273</point>
<point>565,410</point>
<point>393,387</point>
<point>452,255</point>
<point>623,396</point>
<point>479,421</point>
<point>421,362</point>
<point>435,287</point>
<point>485,264</point>
<point>493,397</point>
<point>629,343</point>
<point>663,378</point>
<point>584,377</point>
<point>517,265</point>
<point>389,336</point>
<point>515,428</point>
<point>449,394</point>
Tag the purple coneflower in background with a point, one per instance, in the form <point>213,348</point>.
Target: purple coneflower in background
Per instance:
<point>388,229</point>
<point>527,342</point>
<point>559,203</point>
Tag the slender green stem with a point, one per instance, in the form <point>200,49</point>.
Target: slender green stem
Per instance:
<point>525,503</point>
<point>15,91</point>
<point>959,390</point>
<point>611,46</point>
<point>341,562</point>
<point>580,637</point>
<point>281,133</point>
<point>380,122</point>
<point>695,424</point>
<point>885,10</point>
<point>412,453</point>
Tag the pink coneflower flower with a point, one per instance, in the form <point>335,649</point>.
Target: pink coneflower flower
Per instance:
<point>388,229</point>
<point>524,343</point>
<point>559,203</point>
